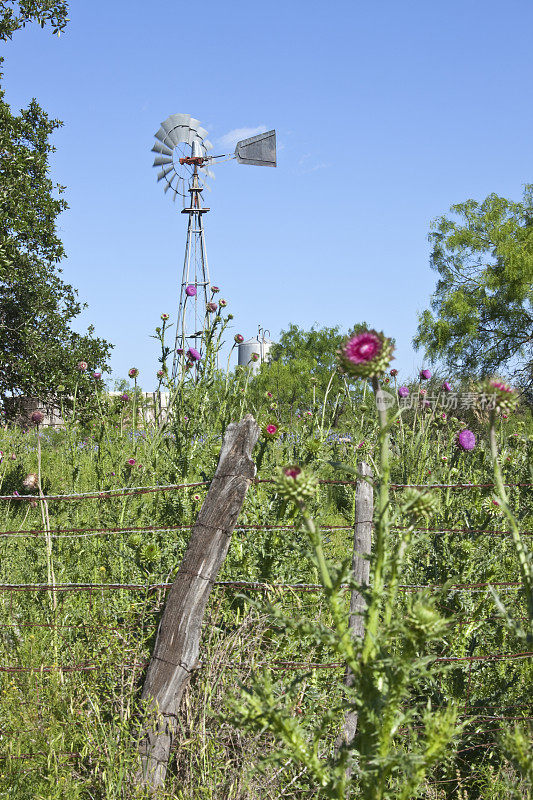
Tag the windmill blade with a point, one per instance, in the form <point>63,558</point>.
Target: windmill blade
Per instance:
<point>202,133</point>
<point>162,148</point>
<point>194,123</point>
<point>179,119</point>
<point>164,137</point>
<point>207,144</point>
<point>164,172</point>
<point>259,150</point>
<point>168,126</point>
<point>160,160</point>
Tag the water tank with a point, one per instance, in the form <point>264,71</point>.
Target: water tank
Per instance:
<point>259,346</point>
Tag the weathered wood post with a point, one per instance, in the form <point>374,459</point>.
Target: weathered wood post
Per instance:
<point>362,544</point>
<point>177,643</point>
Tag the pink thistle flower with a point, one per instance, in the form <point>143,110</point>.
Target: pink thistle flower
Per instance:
<point>425,374</point>
<point>215,289</point>
<point>211,307</point>
<point>190,291</point>
<point>193,354</point>
<point>271,429</point>
<point>160,373</point>
<point>223,303</point>
<point>164,317</point>
<point>133,372</point>
<point>269,394</point>
<point>179,351</point>
<point>37,417</point>
<point>292,472</point>
<point>466,440</point>
<point>366,354</point>
<point>131,462</point>
<point>403,391</point>
<point>254,357</point>
<point>124,397</point>
<point>446,386</point>
<point>97,375</point>
<point>422,392</point>
<point>393,372</point>
<point>239,338</point>
<point>82,366</point>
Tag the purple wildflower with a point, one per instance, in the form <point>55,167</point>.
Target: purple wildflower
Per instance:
<point>193,354</point>
<point>447,386</point>
<point>466,440</point>
<point>190,291</point>
<point>425,374</point>
<point>403,391</point>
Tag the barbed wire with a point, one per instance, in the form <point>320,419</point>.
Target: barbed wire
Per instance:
<point>136,490</point>
<point>250,585</point>
<point>74,533</point>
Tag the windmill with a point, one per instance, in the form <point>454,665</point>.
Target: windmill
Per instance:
<point>182,155</point>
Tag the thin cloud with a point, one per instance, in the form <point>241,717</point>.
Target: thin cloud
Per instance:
<point>231,138</point>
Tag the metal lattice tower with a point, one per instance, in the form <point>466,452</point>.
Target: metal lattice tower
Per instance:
<point>182,153</point>
<point>192,311</point>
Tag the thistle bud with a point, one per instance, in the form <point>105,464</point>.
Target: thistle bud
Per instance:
<point>294,484</point>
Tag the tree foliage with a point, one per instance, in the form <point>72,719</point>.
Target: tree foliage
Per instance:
<point>38,349</point>
<point>15,14</point>
<point>481,317</point>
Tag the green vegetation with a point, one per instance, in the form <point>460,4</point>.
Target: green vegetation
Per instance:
<point>251,731</point>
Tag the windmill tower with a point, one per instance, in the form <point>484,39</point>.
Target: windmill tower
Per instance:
<point>181,151</point>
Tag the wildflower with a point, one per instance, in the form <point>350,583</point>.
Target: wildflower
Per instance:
<point>97,375</point>
<point>426,403</point>
<point>309,413</point>
<point>179,351</point>
<point>425,374</point>
<point>133,372</point>
<point>386,381</point>
<point>190,291</point>
<point>37,417</point>
<point>254,357</point>
<point>215,289</point>
<point>293,484</point>
<point>211,307</point>
<point>164,317</point>
<point>223,303</point>
<point>238,338</point>
<point>444,458</point>
<point>160,373</point>
<point>131,462</point>
<point>271,430</point>
<point>82,366</point>
<point>422,392</point>
<point>269,394</point>
<point>196,497</point>
<point>124,397</point>
<point>446,386</point>
<point>502,396</point>
<point>193,354</point>
<point>393,372</point>
<point>466,440</point>
<point>366,354</point>
<point>403,391</point>
<point>31,481</point>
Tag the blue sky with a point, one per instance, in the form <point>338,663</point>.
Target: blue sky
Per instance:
<point>386,114</point>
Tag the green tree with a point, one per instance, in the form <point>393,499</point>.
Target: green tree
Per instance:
<point>38,349</point>
<point>481,318</point>
<point>16,14</point>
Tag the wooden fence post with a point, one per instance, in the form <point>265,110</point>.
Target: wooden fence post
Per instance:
<point>177,643</point>
<point>362,543</point>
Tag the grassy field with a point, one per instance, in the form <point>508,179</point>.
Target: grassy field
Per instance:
<point>73,659</point>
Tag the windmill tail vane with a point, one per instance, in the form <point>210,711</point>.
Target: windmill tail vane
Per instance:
<point>181,150</point>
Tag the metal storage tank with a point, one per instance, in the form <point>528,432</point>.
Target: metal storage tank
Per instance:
<point>260,345</point>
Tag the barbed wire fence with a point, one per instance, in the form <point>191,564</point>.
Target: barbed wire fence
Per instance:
<point>483,717</point>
